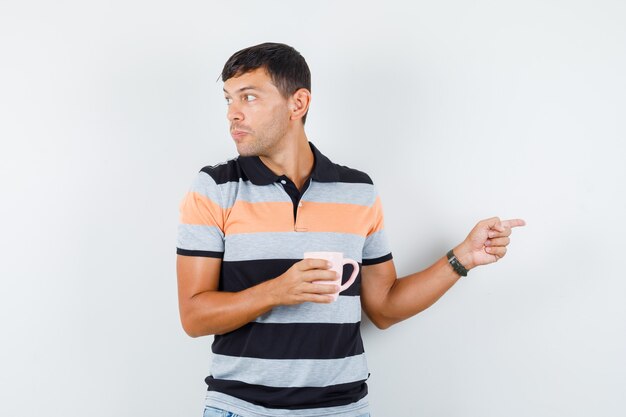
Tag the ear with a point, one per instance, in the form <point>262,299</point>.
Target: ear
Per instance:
<point>299,103</point>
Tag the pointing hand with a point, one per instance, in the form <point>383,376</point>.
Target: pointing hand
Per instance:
<point>487,242</point>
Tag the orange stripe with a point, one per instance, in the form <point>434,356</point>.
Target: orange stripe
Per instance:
<point>246,217</point>
<point>340,218</point>
<point>198,209</point>
<point>267,217</point>
<point>377,208</point>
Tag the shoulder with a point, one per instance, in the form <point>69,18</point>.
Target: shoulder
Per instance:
<point>330,171</point>
<point>223,172</point>
<point>352,175</point>
<point>357,184</point>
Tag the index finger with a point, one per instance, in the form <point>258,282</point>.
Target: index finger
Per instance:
<point>313,263</point>
<point>513,223</point>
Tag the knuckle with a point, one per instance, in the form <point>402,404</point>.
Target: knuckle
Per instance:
<point>326,299</point>
<point>323,275</point>
<point>330,289</point>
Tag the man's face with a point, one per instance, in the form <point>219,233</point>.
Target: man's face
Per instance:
<point>257,112</point>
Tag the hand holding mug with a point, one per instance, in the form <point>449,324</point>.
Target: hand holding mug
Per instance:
<point>338,261</point>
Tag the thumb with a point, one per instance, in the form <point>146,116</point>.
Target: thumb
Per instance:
<point>494,223</point>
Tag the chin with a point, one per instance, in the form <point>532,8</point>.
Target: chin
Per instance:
<point>246,151</point>
<point>249,149</point>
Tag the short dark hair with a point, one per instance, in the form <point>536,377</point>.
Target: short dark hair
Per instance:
<point>286,67</point>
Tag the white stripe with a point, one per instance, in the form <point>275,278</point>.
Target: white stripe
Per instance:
<point>197,237</point>
<point>205,185</point>
<point>376,245</point>
<point>226,194</point>
<point>341,193</point>
<point>346,309</point>
<point>290,373</point>
<point>290,245</point>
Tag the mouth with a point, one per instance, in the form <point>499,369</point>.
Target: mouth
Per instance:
<point>238,134</point>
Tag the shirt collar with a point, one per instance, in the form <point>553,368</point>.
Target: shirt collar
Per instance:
<point>259,174</point>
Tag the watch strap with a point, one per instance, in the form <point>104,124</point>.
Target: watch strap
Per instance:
<point>456,265</point>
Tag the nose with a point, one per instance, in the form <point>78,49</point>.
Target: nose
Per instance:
<point>234,113</point>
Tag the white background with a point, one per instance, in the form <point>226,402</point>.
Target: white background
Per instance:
<point>458,110</point>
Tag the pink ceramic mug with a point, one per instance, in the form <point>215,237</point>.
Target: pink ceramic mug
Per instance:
<point>338,261</point>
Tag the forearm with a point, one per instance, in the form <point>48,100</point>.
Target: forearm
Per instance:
<point>219,312</point>
<point>389,300</point>
<point>205,310</point>
<point>416,292</point>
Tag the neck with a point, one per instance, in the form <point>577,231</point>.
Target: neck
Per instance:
<point>292,158</point>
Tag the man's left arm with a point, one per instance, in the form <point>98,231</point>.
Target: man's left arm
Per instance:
<point>388,300</point>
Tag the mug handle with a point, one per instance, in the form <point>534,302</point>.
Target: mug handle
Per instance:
<point>355,266</point>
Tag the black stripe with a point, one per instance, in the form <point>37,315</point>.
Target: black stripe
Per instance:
<point>374,261</point>
<point>324,171</point>
<point>353,176</point>
<point>291,398</point>
<point>204,253</point>
<point>226,172</point>
<point>291,341</point>
<point>238,275</point>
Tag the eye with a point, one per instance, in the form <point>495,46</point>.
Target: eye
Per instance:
<point>250,97</point>
<point>228,100</point>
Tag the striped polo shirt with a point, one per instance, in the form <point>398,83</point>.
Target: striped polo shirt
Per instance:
<point>299,360</point>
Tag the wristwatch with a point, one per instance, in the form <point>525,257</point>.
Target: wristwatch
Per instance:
<point>456,265</point>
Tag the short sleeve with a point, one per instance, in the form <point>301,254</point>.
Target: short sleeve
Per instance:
<point>376,248</point>
<point>201,227</point>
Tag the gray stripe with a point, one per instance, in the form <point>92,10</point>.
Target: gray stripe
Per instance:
<point>288,373</point>
<point>246,191</point>
<point>346,309</point>
<point>244,408</point>
<point>376,245</point>
<point>340,192</point>
<point>227,193</point>
<point>205,185</point>
<point>197,237</point>
<point>290,245</point>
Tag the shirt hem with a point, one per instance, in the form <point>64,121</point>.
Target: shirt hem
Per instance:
<point>245,409</point>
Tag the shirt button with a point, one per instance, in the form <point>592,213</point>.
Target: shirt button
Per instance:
<point>283,182</point>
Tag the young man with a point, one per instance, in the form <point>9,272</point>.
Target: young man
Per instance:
<point>282,346</point>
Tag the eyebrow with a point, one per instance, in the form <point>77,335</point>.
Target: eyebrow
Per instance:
<point>247,87</point>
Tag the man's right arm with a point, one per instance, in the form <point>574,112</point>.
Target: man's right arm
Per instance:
<point>204,310</point>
